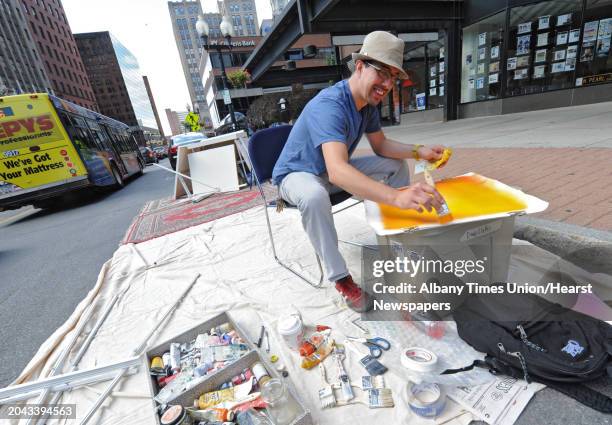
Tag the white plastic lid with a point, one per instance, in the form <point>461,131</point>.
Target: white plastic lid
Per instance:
<point>289,325</point>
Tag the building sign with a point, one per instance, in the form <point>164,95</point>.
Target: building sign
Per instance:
<point>226,97</point>
<point>239,43</point>
<point>594,79</point>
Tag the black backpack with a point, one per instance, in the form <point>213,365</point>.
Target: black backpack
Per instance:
<point>555,346</point>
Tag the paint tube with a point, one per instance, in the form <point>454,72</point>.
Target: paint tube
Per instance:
<point>212,414</point>
<point>229,394</point>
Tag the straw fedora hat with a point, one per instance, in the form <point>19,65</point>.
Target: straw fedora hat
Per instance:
<point>383,47</point>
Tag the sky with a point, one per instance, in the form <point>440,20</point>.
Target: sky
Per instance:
<point>144,27</point>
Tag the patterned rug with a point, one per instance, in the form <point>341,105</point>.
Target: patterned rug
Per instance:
<point>163,216</point>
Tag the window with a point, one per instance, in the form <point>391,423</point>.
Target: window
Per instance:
<point>594,64</point>
<point>481,59</point>
<point>543,46</point>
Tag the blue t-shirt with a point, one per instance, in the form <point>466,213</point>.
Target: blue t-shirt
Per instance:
<point>330,116</point>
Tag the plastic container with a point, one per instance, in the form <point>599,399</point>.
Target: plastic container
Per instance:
<point>282,407</point>
<point>291,329</point>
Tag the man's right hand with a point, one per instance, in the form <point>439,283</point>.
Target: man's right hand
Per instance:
<point>417,197</point>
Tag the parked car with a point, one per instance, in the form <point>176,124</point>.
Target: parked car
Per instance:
<point>148,155</point>
<point>225,126</point>
<point>181,140</point>
<point>160,151</point>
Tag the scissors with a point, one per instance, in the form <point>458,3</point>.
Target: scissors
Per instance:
<point>376,345</point>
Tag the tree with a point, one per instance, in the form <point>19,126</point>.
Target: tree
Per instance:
<point>238,78</point>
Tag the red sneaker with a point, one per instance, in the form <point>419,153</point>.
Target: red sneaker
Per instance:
<point>355,298</point>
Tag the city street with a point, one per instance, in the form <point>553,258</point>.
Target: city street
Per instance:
<point>50,261</point>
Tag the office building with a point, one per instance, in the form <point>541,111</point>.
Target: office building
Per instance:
<point>116,81</point>
<point>55,43</point>
<point>277,7</point>
<point>21,67</point>
<point>184,15</point>
<point>243,16</point>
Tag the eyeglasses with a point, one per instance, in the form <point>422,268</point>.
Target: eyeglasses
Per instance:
<point>383,73</point>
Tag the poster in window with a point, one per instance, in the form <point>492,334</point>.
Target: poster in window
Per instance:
<point>540,56</point>
<point>590,31</point>
<point>441,67</point>
<point>420,101</point>
<point>441,52</point>
<point>522,44</point>
<point>521,74</point>
<point>433,71</point>
<point>494,52</point>
<point>480,83</point>
<point>482,38</point>
<point>494,67</point>
<point>570,64</point>
<point>432,83</point>
<point>493,78</point>
<point>511,63</point>
<point>539,71</point>
<point>542,39</point>
<point>544,22</point>
<point>558,67</point>
<point>522,61</point>
<point>433,91</point>
<point>574,36</point>
<point>471,83</point>
<point>524,28</point>
<point>441,78</point>
<point>481,68</point>
<point>559,55</point>
<point>587,52</point>
<point>603,38</point>
<point>562,38</point>
<point>441,90</point>
<point>482,53</point>
<point>564,19</point>
<point>468,59</point>
<point>572,51</point>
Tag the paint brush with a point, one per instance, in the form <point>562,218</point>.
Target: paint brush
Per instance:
<point>326,393</point>
<point>345,384</point>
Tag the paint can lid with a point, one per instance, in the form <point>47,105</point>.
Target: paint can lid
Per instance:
<point>173,416</point>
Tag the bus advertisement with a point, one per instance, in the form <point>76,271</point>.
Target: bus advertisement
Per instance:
<point>49,146</point>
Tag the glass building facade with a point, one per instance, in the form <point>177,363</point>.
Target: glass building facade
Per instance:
<point>132,77</point>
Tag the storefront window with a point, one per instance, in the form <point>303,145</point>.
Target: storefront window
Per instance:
<point>595,61</point>
<point>481,58</point>
<point>436,74</point>
<point>425,88</point>
<point>543,46</point>
<point>414,65</point>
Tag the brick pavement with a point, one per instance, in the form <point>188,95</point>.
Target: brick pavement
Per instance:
<point>577,182</point>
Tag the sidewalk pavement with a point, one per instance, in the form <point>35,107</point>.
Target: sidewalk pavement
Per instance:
<point>562,155</point>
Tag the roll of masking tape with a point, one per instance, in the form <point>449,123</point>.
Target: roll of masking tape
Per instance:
<point>426,400</point>
<point>419,359</point>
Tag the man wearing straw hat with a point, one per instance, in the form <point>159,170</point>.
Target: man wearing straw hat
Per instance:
<point>316,160</point>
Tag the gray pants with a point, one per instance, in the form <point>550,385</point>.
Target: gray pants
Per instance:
<point>310,193</point>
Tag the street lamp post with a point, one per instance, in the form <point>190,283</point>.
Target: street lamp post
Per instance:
<point>227,31</point>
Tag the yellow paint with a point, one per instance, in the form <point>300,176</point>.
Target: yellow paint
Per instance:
<point>467,196</point>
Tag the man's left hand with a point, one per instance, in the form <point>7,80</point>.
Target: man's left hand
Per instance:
<point>430,153</point>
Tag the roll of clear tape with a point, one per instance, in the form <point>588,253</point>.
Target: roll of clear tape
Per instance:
<point>426,400</point>
<point>418,359</point>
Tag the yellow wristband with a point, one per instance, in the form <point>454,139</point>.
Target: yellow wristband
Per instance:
<point>415,153</point>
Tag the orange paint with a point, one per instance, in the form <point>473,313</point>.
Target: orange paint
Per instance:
<point>467,197</point>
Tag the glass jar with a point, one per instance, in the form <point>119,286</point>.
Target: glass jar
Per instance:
<point>282,407</point>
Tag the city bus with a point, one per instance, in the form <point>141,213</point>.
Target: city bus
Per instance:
<point>49,146</point>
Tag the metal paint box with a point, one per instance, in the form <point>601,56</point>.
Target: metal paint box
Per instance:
<point>216,379</point>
